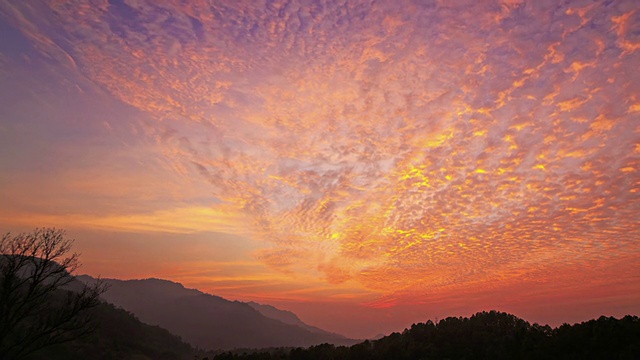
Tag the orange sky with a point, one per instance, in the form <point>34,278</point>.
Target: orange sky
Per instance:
<point>364,164</point>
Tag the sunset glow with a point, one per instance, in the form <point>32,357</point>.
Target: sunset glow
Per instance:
<point>364,164</point>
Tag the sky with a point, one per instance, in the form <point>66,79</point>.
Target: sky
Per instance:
<point>365,164</point>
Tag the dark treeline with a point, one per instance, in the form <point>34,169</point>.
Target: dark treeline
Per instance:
<point>486,335</point>
<point>118,334</point>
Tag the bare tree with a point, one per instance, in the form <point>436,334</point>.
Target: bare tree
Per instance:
<point>41,303</point>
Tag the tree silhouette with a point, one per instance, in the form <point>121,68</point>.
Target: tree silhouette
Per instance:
<point>40,302</point>
<point>486,335</point>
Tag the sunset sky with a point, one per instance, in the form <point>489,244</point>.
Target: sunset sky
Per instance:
<point>365,164</point>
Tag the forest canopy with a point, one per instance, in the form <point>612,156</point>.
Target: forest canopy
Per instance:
<point>485,335</point>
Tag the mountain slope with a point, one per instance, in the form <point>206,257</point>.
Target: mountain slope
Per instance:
<point>287,317</point>
<point>207,321</point>
<point>119,335</point>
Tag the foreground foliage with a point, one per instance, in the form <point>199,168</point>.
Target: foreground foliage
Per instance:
<point>119,335</point>
<point>46,313</point>
<point>486,335</point>
<point>40,305</point>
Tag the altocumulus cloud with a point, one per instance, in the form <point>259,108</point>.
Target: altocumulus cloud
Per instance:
<point>403,146</point>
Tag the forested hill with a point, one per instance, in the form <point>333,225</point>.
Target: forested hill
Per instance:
<point>486,335</point>
<point>119,335</point>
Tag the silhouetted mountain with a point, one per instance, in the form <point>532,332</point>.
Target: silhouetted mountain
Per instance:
<point>288,317</point>
<point>486,335</point>
<point>208,321</point>
<point>119,334</point>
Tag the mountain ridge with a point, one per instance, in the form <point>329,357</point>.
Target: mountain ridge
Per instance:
<point>209,321</point>
<point>288,317</point>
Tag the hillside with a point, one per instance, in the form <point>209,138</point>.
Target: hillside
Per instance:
<point>119,335</point>
<point>207,321</point>
<point>486,335</point>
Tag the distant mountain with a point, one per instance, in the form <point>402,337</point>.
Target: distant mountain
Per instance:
<point>211,322</point>
<point>288,317</point>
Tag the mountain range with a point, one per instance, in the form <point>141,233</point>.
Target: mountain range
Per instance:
<point>211,322</point>
<point>176,319</point>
